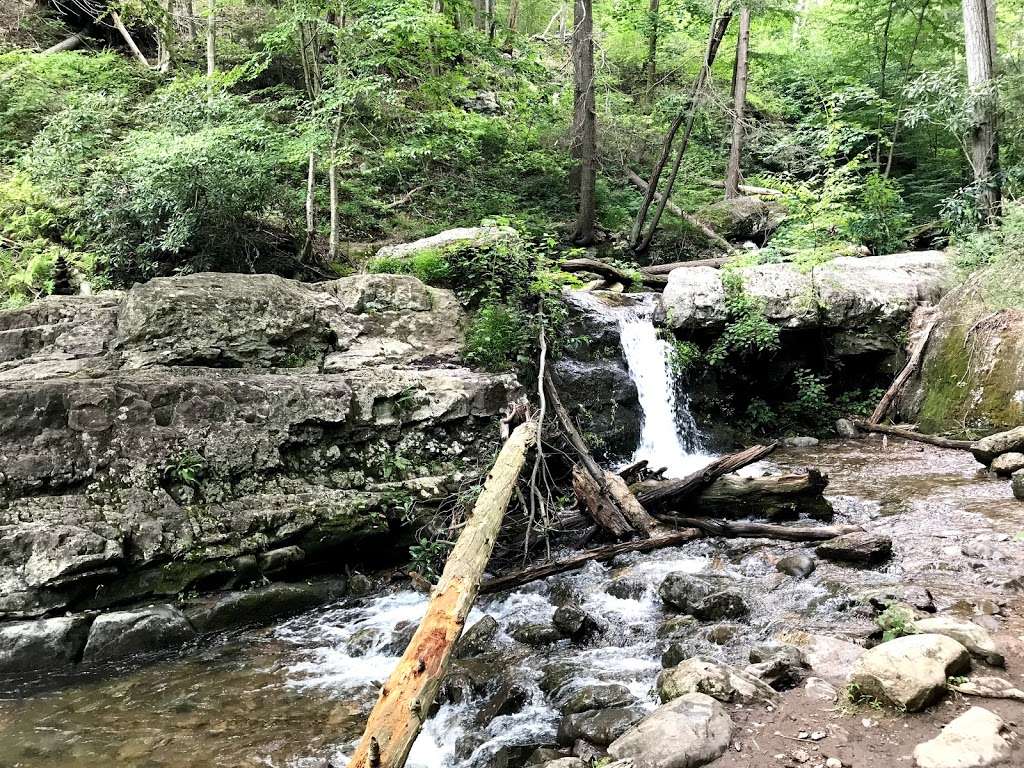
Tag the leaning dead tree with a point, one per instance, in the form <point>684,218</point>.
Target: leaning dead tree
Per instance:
<point>674,209</point>
<point>405,699</point>
<point>671,491</point>
<point>913,363</point>
<point>909,434</point>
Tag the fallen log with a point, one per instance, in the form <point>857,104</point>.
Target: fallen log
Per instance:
<point>607,491</point>
<point>690,219</point>
<point>405,699</point>
<point>909,434</point>
<point>664,269</point>
<point>611,272</point>
<point>744,529</point>
<point>608,516</point>
<point>671,491</point>
<point>774,497</point>
<point>580,559</point>
<point>633,472</point>
<point>746,189</point>
<point>913,363</point>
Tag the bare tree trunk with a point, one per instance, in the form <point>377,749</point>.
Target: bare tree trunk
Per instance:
<point>692,220</point>
<point>332,176</point>
<point>979,38</point>
<point>739,101</point>
<point>211,37</point>
<point>562,21</point>
<point>405,699</point>
<point>882,83</point>
<point>651,65</point>
<point>513,17</point>
<point>913,362</point>
<point>909,434</point>
<point>126,35</point>
<point>906,80</point>
<point>584,131</point>
<point>307,246</point>
<point>671,492</point>
<point>715,34</point>
<point>165,34</point>
<point>190,19</point>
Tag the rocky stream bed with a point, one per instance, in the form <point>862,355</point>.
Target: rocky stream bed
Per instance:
<point>296,693</point>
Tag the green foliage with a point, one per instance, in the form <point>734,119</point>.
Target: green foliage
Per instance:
<point>431,266</point>
<point>500,337</point>
<point>882,225</point>
<point>683,356</point>
<point>993,259</point>
<point>186,468</point>
<point>896,621</point>
<point>810,405</point>
<point>428,556</point>
<point>748,332</point>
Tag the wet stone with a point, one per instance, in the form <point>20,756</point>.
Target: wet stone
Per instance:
<point>43,644</point>
<point>507,700</point>
<point>536,634</point>
<point>798,566</point>
<point>478,639</point>
<point>600,727</point>
<point>723,634</point>
<point>587,752</point>
<point>627,588</point>
<point>683,591</point>
<point>677,627</point>
<point>727,604</point>
<point>362,640</point>
<point>591,697</point>
<point>781,666</point>
<point>401,635</point>
<point>675,653</point>
<point>574,622</point>
<point>858,548</point>
<point>120,634</point>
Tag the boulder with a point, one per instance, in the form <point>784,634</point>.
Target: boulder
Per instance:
<point>677,627</point>
<point>460,238</point>
<point>603,397</point>
<point>536,634</point>
<point>988,449</point>
<point>362,641</point>
<point>798,566</point>
<point>507,700</point>
<point>847,292</point>
<point>973,740</point>
<point>574,622</point>
<point>971,372</point>
<point>1017,484</point>
<point>974,638</point>
<point>627,588</point>
<point>817,689</point>
<point>183,435</point>
<point>120,634</point>
<point>724,604</point>
<point>689,731</point>
<point>800,441</point>
<point>598,726</point>
<point>602,696</point>
<point>780,666</point>
<point>846,429</point>
<point>565,762</point>
<point>857,548</point>
<point>1006,464</point>
<point>683,591</point>
<point>743,218</point>
<point>909,672</point>
<point>723,634</point>
<point>42,645</point>
<point>262,605</point>
<point>719,681</point>
<point>829,657</point>
<point>678,651</point>
<point>478,639</point>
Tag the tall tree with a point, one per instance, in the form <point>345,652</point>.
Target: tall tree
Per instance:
<point>651,65</point>
<point>211,37</point>
<point>980,45</point>
<point>739,100</point>
<point>584,128</point>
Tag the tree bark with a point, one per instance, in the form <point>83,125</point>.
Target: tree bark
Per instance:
<point>211,37</point>
<point>739,101</point>
<point>979,39</point>
<point>913,363</point>
<point>127,36</point>
<point>743,529</point>
<point>611,272</point>
<point>406,698</point>
<point>719,24</point>
<point>165,36</point>
<point>580,559</point>
<point>906,80</point>
<point>664,269</point>
<point>672,491</point>
<point>584,120</point>
<point>332,180</point>
<point>607,516</point>
<point>651,65</point>
<point>909,434</point>
<point>693,221</point>
<point>307,246</point>
<point>67,44</point>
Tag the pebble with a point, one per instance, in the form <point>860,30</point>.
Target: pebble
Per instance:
<point>833,762</point>
<point>800,755</point>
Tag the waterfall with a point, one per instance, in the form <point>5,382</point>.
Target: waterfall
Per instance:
<point>668,435</point>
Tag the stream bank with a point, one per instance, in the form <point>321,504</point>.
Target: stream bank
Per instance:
<point>295,694</point>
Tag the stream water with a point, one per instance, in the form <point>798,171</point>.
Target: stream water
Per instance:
<point>295,694</point>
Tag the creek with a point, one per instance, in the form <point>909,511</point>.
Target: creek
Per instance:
<point>295,694</point>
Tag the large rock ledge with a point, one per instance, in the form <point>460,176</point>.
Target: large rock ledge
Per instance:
<point>213,430</point>
<point>847,292</point>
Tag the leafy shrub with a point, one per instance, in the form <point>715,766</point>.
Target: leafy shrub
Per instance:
<point>748,332</point>
<point>431,266</point>
<point>683,356</point>
<point>993,260</point>
<point>500,337</point>
<point>810,405</point>
<point>884,218</point>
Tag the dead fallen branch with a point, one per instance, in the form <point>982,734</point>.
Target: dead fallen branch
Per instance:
<point>913,363</point>
<point>405,699</point>
<point>607,498</point>
<point>611,272</point>
<point>743,529</point>
<point>909,434</point>
<point>573,562</point>
<point>746,189</point>
<point>670,492</point>
<point>773,497</point>
<point>664,269</point>
<point>633,472</point>
<point>690,219</point>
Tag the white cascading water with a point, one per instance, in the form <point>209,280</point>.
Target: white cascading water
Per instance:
<point>668,436</point>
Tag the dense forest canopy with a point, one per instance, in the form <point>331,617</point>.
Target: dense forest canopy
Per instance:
<point>156,137</point>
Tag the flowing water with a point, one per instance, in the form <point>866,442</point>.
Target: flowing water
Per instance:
<point>295,695</point>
